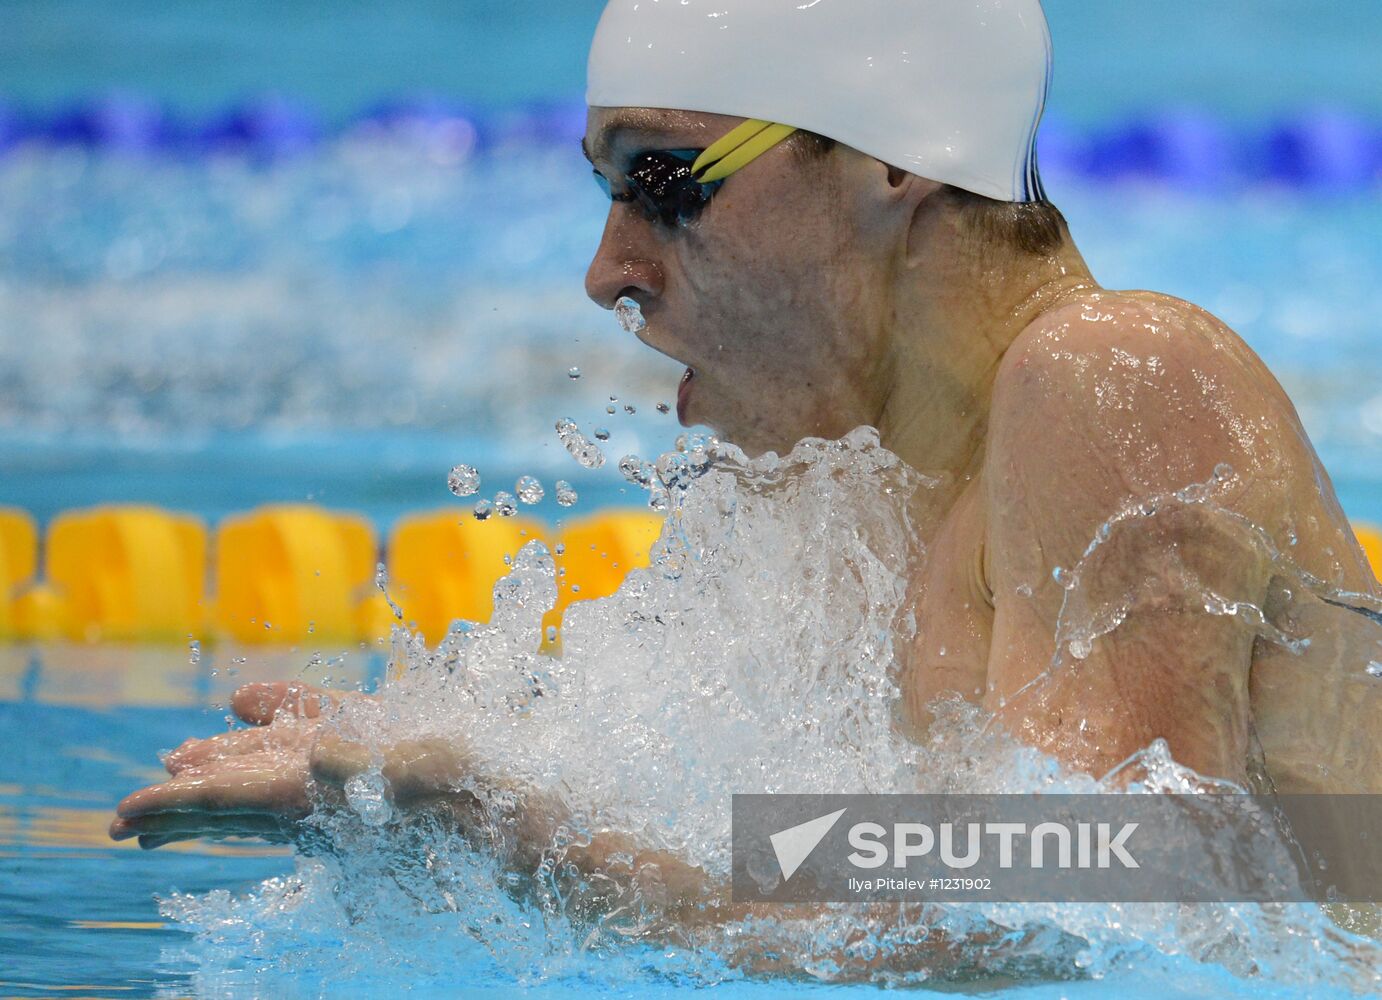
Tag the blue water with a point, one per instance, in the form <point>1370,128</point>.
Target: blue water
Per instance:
<point>344,325</point>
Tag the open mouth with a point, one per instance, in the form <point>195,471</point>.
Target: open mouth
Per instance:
<point>684,394</point>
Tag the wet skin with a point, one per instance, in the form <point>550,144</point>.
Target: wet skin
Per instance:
<point>815,296</point>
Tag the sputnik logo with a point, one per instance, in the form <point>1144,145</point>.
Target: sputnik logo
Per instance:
<point>795,844</point>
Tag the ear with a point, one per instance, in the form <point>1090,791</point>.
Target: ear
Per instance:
<point>889,198</point>
<point>912,201</point>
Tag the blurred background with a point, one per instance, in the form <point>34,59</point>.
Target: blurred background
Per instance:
<point>281,251</point>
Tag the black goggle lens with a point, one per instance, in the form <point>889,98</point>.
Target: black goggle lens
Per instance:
<point>662,183</point>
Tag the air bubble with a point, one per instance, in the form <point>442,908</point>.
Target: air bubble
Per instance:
<point>566,496</point>
<point>505,505</point>
<point>483,509</point>
<point>529,490</point>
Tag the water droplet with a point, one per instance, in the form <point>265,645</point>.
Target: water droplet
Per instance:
<point>1024,590</point>
<point>1064,577</point>
<point>1375,669</point>
<point>551,633</point>
<point>505,505</point>
<point>601,433</point>
<point>1080,648</point>
<point>581,449</point>
<point>630,408</point>
<point>610,409</point>
<point>560,549</point>
<point>674,470</point>
<point>636,471</point>
<point>573,373</point>
<point>1223,472</point>
<point>195,651</point>
<point>463,481</point>
<point>365,795</point>
<point>483,509</point>
<point>566,497</point>
<point>630,315</point>
<point>663,408</point>
<point>529,490</point>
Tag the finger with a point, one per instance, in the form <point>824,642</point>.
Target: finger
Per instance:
<point>258,703</point>
<point>335,761</point>
<point>204,825</point>
<point>151,841</point>
<point>196,753</point>
<point>420,769</point>
<point>267,789</point>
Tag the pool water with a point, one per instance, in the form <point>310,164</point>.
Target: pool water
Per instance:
<point>344,324</point>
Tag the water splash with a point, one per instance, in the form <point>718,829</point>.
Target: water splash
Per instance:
<point>759,651</point>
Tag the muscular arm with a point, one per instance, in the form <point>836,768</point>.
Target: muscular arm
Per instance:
<point>1098,409</point>
<point>264,781</point>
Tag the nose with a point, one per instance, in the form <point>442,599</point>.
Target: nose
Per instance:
<point>619,269</point>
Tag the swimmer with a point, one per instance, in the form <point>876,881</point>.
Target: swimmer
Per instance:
<point>831,213</point>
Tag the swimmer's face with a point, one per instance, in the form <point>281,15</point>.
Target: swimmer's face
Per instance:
<point>773,295</point>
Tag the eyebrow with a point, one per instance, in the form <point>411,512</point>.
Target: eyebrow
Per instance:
<point>620,126</point>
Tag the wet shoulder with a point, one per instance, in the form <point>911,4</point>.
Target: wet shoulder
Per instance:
<point>1119,396</point>
<point>1158,336</point>
<point>1153,386</point>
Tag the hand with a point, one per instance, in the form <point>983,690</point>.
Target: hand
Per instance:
<point>245,783</point>
<point>263,782</point>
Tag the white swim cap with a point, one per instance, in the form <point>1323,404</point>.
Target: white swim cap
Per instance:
<point>951,90</point>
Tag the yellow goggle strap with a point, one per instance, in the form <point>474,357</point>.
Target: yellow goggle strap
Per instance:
<point>738,149</point>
